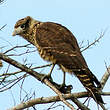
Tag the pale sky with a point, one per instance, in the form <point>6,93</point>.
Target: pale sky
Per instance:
<point>85,18</point>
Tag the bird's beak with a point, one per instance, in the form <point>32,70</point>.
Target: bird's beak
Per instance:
<point>14,33</point>
<point>17,31</point>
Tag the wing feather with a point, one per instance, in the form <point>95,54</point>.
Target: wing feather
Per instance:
<point>60,42</point>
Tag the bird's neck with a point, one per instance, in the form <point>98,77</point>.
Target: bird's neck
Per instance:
<point>29,38</point>
<point>30,35</point>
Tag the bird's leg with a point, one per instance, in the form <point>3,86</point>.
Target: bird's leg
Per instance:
<point>49,74</point>
<point>64,76</point>
<point>65,88</point>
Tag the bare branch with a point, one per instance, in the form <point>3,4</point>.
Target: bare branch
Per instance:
<point>37,76</point>
<point>46,100</point>
<point>13,48</point>
<point>14,73</point>
<point>5,24</point>
<point>93,43</point>
<point>11,83</point>
<point>6,82</point>
<point>79,104</point>
<point>59,94</point>
<point>20,66</point>
<point>105,77</point>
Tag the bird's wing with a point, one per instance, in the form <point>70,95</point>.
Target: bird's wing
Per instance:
<point>61,43</point>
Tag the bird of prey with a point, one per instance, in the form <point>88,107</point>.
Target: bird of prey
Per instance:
<point>55,43</point>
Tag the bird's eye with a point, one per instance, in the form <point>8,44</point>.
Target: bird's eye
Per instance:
<point>23,26</point>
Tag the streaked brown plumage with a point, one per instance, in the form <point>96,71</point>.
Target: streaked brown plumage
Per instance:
<point>58,45</point>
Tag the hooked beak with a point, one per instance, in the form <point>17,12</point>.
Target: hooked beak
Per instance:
<point>17,31</point>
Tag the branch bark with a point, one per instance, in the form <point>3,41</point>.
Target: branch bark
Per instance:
<point>45,100</point>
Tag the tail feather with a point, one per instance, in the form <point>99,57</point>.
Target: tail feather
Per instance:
<point>88,80</point>
<point>98,98</point>
<point>94,79</point>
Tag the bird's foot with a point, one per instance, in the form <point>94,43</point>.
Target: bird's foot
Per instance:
<point>65,89</point>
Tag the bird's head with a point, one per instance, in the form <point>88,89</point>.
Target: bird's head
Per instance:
<point>21,26</point>
<point>24,27</point>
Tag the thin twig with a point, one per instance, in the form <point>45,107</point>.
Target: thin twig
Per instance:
<point>3,25</point>
<point>93,43</point>
<point>79,104</point>
<point>14,73</point>
<point>15,47</point>
<point>13,82</point>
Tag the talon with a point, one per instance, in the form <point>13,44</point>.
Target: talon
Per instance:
<point>65,89</point>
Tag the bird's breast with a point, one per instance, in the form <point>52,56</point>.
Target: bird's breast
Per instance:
<point>46,55</point>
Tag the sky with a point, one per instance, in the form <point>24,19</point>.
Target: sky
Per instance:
<point>86,19</point>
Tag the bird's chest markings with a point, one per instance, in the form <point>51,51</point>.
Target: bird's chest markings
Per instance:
<point>44,53</point>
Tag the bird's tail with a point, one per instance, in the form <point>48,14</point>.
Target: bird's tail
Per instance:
<point>91,83</point>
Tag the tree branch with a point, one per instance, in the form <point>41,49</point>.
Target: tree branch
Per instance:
<point>48,83</point>
<point>79,104</point>
<point>93,43</point>
<point>105,77</point>
<point>45,100</point>
<point>37,76</point>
